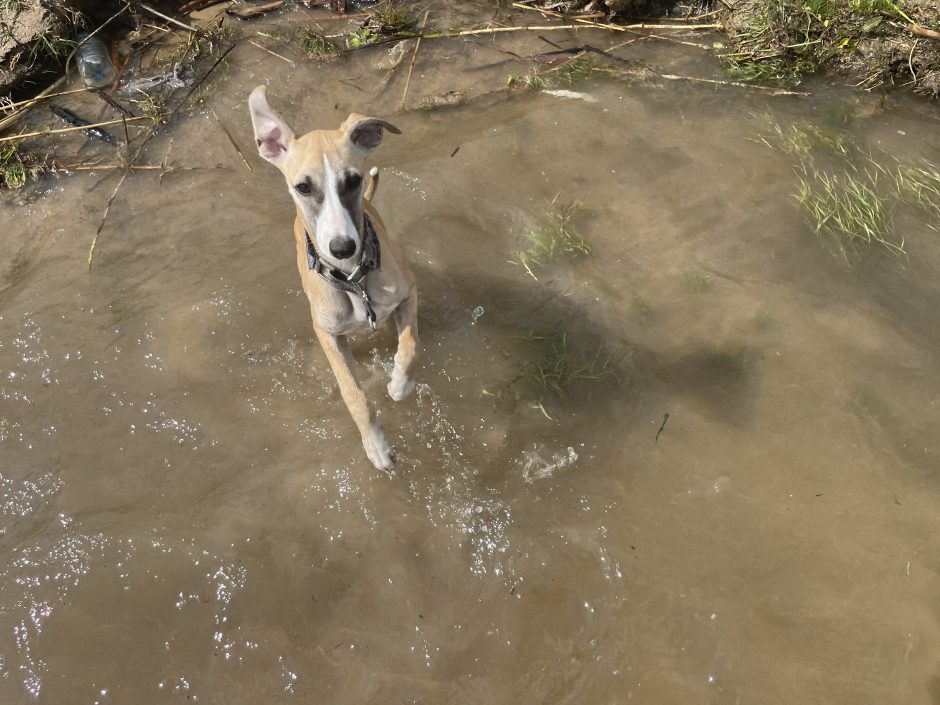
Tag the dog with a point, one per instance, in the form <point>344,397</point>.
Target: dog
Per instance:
<point>350,270</point>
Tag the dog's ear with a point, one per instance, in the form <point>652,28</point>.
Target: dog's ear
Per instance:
<point>366,132</point>
<point>272,134</point>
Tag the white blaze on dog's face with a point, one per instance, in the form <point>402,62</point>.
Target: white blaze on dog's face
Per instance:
<point>324,173</point>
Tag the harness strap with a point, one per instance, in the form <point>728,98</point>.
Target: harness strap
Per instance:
<point>352,283</point>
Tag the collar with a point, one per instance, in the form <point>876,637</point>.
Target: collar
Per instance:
<point>369,259</point>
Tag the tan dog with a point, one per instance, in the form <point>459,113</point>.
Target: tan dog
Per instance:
<point>349,269</point>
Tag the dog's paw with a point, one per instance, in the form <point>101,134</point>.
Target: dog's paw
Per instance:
<point>400,386</point>
<point>378,450</point>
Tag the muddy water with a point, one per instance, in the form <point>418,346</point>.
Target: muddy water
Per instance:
<point>187,513</point>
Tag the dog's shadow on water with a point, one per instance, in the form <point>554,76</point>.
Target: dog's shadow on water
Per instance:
<point>544,359</point>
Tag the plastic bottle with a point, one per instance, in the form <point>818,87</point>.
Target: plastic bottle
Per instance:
<point>94,62</point>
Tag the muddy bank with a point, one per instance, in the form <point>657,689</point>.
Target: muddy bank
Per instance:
<point>874,44</point>
<point>36,37</point>
<point>165,64</point>
<point>32,38</point>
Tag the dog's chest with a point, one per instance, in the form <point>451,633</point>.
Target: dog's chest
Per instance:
<point>341,313</point>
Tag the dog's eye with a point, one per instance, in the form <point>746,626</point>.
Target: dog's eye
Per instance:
<point>303,187</point>
<point>353,181</point>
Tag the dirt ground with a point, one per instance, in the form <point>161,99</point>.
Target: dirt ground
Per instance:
<point>875,44</point>
<point>870,43</point>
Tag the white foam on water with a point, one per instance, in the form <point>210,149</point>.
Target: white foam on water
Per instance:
<point>535,466</point>
<point>452,493</point>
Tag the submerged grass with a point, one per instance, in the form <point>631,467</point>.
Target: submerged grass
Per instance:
<point>556,239</point>
<point>696,280</point>
<point>643,309</point>
<point>723,365</point>
<point>773,71</point>
<point>849,195</point>
<point>315,44</point>
<point>919,185</point>
<point>564,76</point>
<point>312,41</point>
<point>555,362</point>
<point>13,173</point>
<point>574,71</point>
<point>847,212</point>
<point>552,365</point>
<point>532,80</point>
<point>17,166</point>
<point>805,140</point>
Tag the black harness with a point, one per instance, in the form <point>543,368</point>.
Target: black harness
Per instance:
<point>352,283</point>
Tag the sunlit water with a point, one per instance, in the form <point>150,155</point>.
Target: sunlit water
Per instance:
<point>186,512</point>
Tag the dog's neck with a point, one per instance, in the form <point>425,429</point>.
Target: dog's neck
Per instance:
<point>355,270</point>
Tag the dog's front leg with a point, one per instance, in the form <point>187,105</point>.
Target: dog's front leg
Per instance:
<point>341,360</point>
<point>406,320</point>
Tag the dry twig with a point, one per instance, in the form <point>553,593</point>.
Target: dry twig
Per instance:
<point>249,12</point>
<point>104,217</point>
<point>43,133</point>
<point>272,53</point>
<point>583,24</point>
<point>232,140</point>
<point>45,95</point>
<point>414,58</point>
<point>169,19</point>
<point>924,32</point>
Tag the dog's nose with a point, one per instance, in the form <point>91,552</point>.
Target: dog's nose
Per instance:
<point>342,247</point>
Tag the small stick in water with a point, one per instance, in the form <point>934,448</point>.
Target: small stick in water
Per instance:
<point>104,217</point>
<point>414,58</point>
<point>232,140</point>
<point>43,133</point>
<point>665,419</point>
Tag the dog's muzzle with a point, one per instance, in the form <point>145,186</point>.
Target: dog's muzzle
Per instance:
<point>342,247</point>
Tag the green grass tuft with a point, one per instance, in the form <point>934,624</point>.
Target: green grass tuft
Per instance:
<point>566,75</point>
<point>315,44</point>
<point>364,36</point>
<point>848,214</point>
<point>552,365</point>
<point>806,141</point>
<point>764,320</point>
<point>391,18</point>
<point>574,71</point>
<point>919,185</point>
<point>643,309</point>
<point>18,166</point>
<point>696,280</point>
<point>771,71</point>
<point>721,365</point>
<point>556,239</point>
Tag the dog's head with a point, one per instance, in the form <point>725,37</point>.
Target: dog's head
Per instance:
<point>324,173</point>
